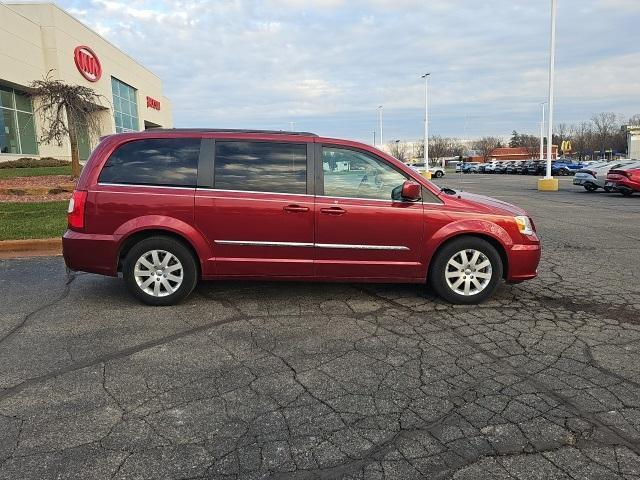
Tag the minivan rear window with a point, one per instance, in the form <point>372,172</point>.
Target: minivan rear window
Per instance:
<point>261,167</point>
<point>169,162</point>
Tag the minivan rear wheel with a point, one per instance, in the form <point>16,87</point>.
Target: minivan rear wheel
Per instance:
<point>466,271</point>
<point>160,271</point>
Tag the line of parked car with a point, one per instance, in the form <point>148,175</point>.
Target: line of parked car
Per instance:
<point>560,167</point>
<point>621,176</point>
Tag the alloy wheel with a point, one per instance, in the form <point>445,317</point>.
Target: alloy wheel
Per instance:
<point>158,273</point>
<point>468,272</point>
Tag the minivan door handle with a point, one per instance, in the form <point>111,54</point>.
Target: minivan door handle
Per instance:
<point>333,211</point>
<point>295,208</point>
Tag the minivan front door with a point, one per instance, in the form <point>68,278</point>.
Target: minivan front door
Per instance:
<point>258,215</point>
<point>364,230</point>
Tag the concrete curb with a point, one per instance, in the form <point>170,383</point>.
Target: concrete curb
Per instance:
<point>37,247</point>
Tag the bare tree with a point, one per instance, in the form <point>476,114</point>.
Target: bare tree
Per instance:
<point>67,111</point>
<point>399,150</point>
<point>485,146</point>
<point>634,120</point>
<point>606,125</point>
<point>530,143</point>
<point>582,139</point>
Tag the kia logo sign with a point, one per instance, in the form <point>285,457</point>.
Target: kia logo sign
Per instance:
<point>153,103</point>
<point>87,63</point>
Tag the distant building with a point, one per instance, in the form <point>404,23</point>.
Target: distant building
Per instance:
<point>633,141</point>
<point>40,39</point>
<point>515,153</point>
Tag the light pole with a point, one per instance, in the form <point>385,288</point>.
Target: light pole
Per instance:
<point>291,124</point>
<point>374,138</point>
<point>552,66</point>
<point>381,135</point>
<point>542,132</point>
<point>426,120</point>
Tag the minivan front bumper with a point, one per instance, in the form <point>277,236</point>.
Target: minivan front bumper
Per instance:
<point>523,262</point>
<point>91,253</point>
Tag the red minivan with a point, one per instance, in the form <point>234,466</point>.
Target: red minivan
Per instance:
<point>169,207</point>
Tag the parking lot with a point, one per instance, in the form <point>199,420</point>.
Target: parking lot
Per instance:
<point>305,381</point>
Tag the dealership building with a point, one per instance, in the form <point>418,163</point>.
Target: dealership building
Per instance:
<point>37,40</point>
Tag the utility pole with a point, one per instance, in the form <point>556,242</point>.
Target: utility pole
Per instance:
<point>426,120</point>
<point>374,138</point>
<point>381,135</point>
<point>542,133</point>
<point>552,66</point>
<point>548,183</point>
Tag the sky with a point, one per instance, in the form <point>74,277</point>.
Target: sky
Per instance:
<point>326,65</point>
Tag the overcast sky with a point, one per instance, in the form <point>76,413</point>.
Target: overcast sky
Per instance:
<point>327,64</point>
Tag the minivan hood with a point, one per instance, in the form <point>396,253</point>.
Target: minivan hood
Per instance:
<point>489,204</point>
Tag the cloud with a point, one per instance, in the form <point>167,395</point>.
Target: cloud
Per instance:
<point>327,64</point>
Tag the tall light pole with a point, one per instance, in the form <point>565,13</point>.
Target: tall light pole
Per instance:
<point>374,138</point>
<point>426,120</point>
<point>552,66</point>
<point>380,117</point>
<point>542,132</point>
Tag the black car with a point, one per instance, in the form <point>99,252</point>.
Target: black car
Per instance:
<point>536,167</point>
<point>511,168</point>
<point>501,167</point>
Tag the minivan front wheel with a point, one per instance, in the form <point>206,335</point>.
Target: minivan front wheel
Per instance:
<point>467,271</point>
<point>160,271</point>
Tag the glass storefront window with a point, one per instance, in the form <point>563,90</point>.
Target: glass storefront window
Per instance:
<point>17,127</point>
<point>125,106</point>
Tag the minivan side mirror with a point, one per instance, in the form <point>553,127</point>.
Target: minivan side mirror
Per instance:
<point>411,191</point>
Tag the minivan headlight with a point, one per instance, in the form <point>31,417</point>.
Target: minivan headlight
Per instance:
<point>524,225</point>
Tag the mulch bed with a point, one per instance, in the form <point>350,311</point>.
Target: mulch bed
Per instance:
<point>49,181</point>
<point>42,182</point>
<point>35,198</point>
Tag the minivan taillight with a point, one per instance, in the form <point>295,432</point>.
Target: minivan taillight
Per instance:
<point>75,212</point>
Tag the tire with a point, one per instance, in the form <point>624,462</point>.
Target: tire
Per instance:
<point>590,187</point>
<point>451,251</point>
<point>438,174</point>
<point>608,189</point>
<point>163,289</point>
<point>626,193</point>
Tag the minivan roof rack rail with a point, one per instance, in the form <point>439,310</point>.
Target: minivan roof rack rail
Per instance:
<point>231,130</point>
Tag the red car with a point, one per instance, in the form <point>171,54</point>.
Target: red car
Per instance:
<point>624,181</point>
<point>169,207</point>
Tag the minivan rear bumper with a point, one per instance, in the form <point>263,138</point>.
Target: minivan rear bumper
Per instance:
<point>92,253</point>
<point>523,262</point>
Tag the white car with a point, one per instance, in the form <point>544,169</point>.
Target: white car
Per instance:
<point>593,176</point>
<point>436,171</point>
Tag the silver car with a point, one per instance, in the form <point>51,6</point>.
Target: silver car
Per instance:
<point>593,176</point>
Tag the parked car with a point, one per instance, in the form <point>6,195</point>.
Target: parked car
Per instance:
<point>564,167</point>
<point>501,167</point>
<point>471,167</point>
<point>594,176</point>
<point>512,167</point>
<point>167,208</point>
<point>536,167</point>
<point>490,167</point>
<point>436,172</point>
<point>624,180</point>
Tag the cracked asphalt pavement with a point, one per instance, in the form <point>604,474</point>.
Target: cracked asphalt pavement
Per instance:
<point>318,381</point>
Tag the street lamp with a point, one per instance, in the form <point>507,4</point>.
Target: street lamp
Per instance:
<point>426,120</point>
<point>542,132</point>
<point>380,116</point>
<point>548,183</point>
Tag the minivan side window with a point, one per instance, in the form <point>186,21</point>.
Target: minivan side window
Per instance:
<point>261,167</point>
<point>350,173</point>
<point>171,162</point>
